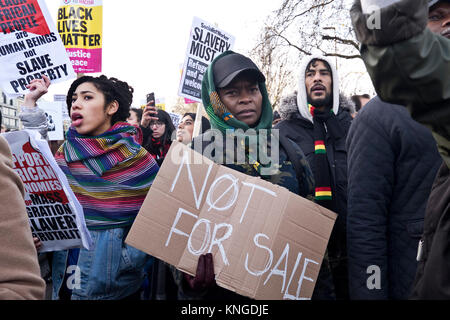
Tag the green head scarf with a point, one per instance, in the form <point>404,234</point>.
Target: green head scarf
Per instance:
<point>220,117</point>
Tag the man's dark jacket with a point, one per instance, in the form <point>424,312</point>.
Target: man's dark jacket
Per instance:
<point>392,163</point>
<point>301,132</point>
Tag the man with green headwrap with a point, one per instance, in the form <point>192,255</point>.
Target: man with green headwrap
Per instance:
<point>235,97</point>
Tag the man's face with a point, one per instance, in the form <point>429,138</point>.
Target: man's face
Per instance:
<point>318,82</point>
<point>439,19</point>
<point>243,99</point>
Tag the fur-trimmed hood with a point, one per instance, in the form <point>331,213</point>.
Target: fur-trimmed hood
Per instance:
<point>289,109</point>
<point>299,99</point>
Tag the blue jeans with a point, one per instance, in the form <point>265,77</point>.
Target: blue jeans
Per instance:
<point>111,270</point>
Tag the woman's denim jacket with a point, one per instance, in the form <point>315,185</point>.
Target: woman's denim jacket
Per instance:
<point>111,270</point>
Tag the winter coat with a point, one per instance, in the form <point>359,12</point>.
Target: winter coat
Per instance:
<point>299,130</point>
<point>297,126</point>
<point>392,163</point>
<point>410,65</point>
<point>19,268</point>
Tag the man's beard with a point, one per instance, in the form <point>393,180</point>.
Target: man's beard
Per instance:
<point>321,102</point>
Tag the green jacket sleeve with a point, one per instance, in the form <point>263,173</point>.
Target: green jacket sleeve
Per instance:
<point>414,73</point>
<point>409,69</point>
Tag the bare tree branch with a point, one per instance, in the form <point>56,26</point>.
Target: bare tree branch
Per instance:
<point>311,9</point>
<point>355,56</point>
<point>293,45</point>
<point>296,29</point>
<point>343,41</point>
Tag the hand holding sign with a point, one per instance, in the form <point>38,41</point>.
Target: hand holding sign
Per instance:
<point>37,87</point>
<point>37,243</point>
<point>204,277</point>
<point>267,243</point>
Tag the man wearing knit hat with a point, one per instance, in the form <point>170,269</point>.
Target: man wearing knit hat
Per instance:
<point>317,119</point>
<point>408,59</point>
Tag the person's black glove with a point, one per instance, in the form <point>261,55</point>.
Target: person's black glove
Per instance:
<point>204,277</point>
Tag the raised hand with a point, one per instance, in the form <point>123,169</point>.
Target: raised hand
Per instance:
<point>37,87</point>
<point>148,114</point>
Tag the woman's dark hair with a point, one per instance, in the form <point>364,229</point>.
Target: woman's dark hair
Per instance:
<point>112,89</point>
<point>166,137</point>
<point>138,112</point>
<point>205,122</point>
<point>165,117</point>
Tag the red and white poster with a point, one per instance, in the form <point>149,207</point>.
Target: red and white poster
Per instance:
<point>30,46</point>
<point>55,215</point>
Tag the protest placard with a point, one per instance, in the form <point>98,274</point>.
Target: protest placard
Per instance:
<point>160,103</point>
<point>29,46</point>
<point>189,101</point>
<point>205,43</point>
<point>175,119</point>
<point>54,113</point>
<point>80,24</point>
<point>267,242</point>
<point>55,215</point>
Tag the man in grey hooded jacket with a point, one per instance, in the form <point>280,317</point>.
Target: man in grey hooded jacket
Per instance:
<point>318,108</point>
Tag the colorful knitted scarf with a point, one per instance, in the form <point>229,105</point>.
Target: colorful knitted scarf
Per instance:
<point>221,118</point>
<point>110,174</point>
<point>323,121</point>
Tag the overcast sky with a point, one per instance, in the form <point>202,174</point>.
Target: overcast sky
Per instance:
<point>145,42</point>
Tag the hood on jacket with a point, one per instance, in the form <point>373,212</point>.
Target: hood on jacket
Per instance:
<point>289,106</point>
<point>220,117</point>
<point>302,100</point>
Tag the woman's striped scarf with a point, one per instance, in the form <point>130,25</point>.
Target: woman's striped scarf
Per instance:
<point>323,186</point>
<point>110,174</point>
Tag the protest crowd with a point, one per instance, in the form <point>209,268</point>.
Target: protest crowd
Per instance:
<point>381,164</point>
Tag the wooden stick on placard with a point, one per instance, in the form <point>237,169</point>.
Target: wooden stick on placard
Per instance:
<point>198,120</point>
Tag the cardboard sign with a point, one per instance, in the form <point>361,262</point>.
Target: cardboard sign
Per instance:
<point>55,215</point>
<point>80,25</point>
<point>205,43</point>
<point>267,242</point>
<point>29,46</point>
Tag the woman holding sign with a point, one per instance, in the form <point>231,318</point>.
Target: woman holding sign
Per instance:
<point>235,97</point>
<point>110,173</point>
